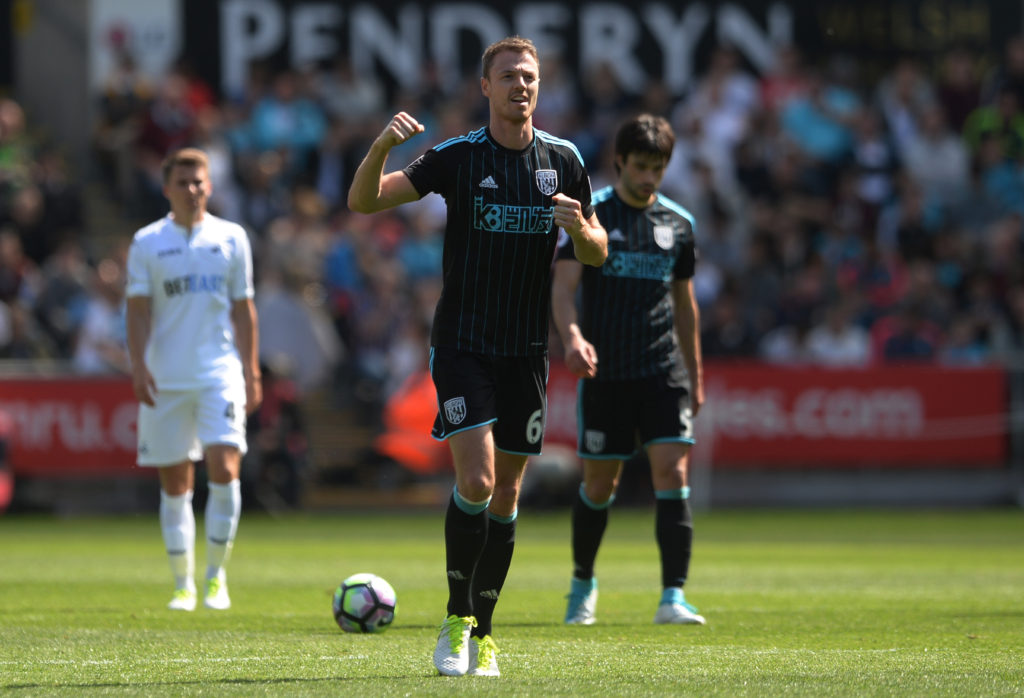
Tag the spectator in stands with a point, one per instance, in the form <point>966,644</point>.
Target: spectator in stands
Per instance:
<point>1008,73</point>
<point>902,96</point>
<point>1015,321</point>
<point>958,89</point>
<point>16,157</point>
<point>876,162</point>
<point>347,94</point>
<point>561,97</point>
<point>820,121</point>
<point>19,276</point>
<point>908,336</point>
<point>122,102</point>
<point>212,137</point>
<point>1001,120</point>
<point>64,296</point>
<point>936,159</point>
<point>784,344</point>
<point>909,224</point>
<point>27,342</point>
<point>300,238</point>
<point>167,123</point>
<point>966,343</point>
<point>785,79</point>
<point>331,170</point>
<point>289,121</point>
<point>275,469</point>
<point>266,189</point>
<point>419,250</point>
<point>718,112</point>
<point>838,340</point>
<point>726,334</point>
<point>295,324</point>
<point>101,345</point>
<point>1000,188</point>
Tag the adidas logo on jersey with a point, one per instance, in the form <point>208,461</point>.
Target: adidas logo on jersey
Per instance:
<point>616,235</point>
<point>488,183</point>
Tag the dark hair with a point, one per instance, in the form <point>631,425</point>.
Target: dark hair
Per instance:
<point>192,157</point>
<point>518,44</point>
<point>645,134</point>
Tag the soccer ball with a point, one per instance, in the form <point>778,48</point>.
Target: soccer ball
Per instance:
<point>364,603</point>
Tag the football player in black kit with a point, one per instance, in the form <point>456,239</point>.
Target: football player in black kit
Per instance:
<point>635,344</point>
<point>508,187</point>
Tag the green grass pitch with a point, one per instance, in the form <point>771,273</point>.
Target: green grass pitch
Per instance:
<point>805,603</point>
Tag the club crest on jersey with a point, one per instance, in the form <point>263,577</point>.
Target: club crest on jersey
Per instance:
<point>547,181</point>
<point>593,440</point>
<point>455,410</point>
<point>663,236</point>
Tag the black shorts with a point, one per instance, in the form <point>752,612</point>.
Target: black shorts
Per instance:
<point>614,414</point>
<point>477,389</point>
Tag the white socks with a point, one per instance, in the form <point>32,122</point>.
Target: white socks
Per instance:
<point>223,509</point>
<point>178,524</point>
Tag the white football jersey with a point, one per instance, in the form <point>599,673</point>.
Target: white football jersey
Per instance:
<point>191,282</point>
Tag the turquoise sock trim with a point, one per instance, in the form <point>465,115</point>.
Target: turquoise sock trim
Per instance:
<point>673,595</point>
<point>592,505</point>
<point>504,519</point>
<point>681,493</point>
<point>583,586</point>
<point>467,506</point>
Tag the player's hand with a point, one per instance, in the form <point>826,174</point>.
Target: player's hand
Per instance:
<point>568,214</point>
<point>581,358</point>
<point>401,128</point>
<point>144,386</point>
<point>696,396</point>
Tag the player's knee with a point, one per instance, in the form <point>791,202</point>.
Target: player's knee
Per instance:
<point>476,487</point>
<point>600,490</point>
<point>506,495</point>
<point>669,479</point>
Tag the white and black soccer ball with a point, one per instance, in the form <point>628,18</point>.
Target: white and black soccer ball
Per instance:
<point>364,603</point>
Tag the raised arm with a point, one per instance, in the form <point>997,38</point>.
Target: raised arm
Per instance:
<point>371,189</point>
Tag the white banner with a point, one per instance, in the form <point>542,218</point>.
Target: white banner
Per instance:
<point>150,30</point>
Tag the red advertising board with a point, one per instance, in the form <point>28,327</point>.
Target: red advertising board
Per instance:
<point>70,426</point>
<point>908,416</point>
<point>755,415</point>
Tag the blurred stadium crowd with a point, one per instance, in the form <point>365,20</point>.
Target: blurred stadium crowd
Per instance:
<point>841,221</point>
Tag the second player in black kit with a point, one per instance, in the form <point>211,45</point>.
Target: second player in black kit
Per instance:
<point>508,189</point>
<point>635,345</point>
<point>627,313</point>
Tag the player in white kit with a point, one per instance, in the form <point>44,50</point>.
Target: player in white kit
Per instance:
<point>193,339</point>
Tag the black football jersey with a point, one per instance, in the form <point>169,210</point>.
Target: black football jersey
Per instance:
<point>500,237</point>
<point>626,308</point>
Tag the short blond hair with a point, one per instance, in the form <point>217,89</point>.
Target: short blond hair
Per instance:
<point>190,157</point>
<point>519,44</point>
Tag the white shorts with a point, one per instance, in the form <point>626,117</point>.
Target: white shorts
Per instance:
<point>185,422</point>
